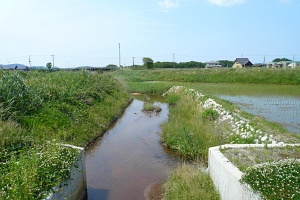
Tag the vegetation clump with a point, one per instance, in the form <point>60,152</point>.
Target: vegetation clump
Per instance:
<point>30,173</point>
<point>61,107</point>
<point>190,182</point>
<point>275,180</point>
<point>150,107</point>
<point>210,114</point>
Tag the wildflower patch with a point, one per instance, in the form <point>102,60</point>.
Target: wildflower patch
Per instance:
<point>275,180</point>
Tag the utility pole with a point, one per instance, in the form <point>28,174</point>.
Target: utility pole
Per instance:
<point>119,55</point>
<point>173,60</point>
<point>52,61</point>
<point>133,61</point>
<point>29,61</point>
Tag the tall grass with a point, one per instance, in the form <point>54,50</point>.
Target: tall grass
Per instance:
<point>187,132</point>
<point>16,97</point>
<point>76,106</point>
<point>190,182</point>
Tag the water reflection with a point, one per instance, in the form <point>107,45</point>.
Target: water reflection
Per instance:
<point>129,157</point>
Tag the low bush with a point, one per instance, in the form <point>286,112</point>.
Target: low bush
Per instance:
<point>210,114</point>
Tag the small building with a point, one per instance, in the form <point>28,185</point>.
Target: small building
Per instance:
<point>281,64</point>
<point>272,65</point>
<point>212,64</point>
<point>242,63</point>
<point>294,64</point>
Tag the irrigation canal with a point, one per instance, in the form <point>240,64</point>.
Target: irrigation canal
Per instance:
<point>129,156</point>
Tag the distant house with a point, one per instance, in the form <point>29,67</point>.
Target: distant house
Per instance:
<point>212,64</point>
<point>294,64</point>
<point>281,64</point>
<point>241,63</point>
<point>272,65</point>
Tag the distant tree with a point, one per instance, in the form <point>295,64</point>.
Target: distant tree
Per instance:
<point>226,63</point>
<point>164,65</point>
<point>281,59</point>
<point>191,64</point>
<point>49,66</point>
<point>148,62</point>
<point>111,66</point>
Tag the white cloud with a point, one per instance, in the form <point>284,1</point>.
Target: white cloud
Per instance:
<point>227,2</point>
<point>168,4</point>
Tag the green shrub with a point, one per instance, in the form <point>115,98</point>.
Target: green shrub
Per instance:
<point>210,114</point>
<point>172,99</point>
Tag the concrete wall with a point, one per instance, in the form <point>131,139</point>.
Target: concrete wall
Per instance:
<point>75,187</point>
<point>226,176</point>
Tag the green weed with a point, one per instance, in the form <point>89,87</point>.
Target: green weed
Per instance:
<point>190,182</point>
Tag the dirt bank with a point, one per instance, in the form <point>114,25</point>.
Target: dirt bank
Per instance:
<point>154,191</point>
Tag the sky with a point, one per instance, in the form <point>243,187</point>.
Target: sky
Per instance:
<point>102,32</point>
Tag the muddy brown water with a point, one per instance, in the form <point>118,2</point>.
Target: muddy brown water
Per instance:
<point>129,157</point>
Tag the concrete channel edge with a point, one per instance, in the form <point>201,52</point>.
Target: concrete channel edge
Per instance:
<point>226,176</point>
<point>75,188</point>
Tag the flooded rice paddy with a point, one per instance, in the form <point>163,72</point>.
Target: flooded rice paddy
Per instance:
<point>276,103</point>
<point>129,157</point>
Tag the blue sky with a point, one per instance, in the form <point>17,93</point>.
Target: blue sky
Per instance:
<point>87,32</point>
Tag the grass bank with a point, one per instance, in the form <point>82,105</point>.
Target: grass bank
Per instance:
<point>225,75</point>
<point>60,107</point>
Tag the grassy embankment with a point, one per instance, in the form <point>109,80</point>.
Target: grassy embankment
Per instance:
<point>60,107</point>
<point>191,129</point>
<point>228,75</point>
